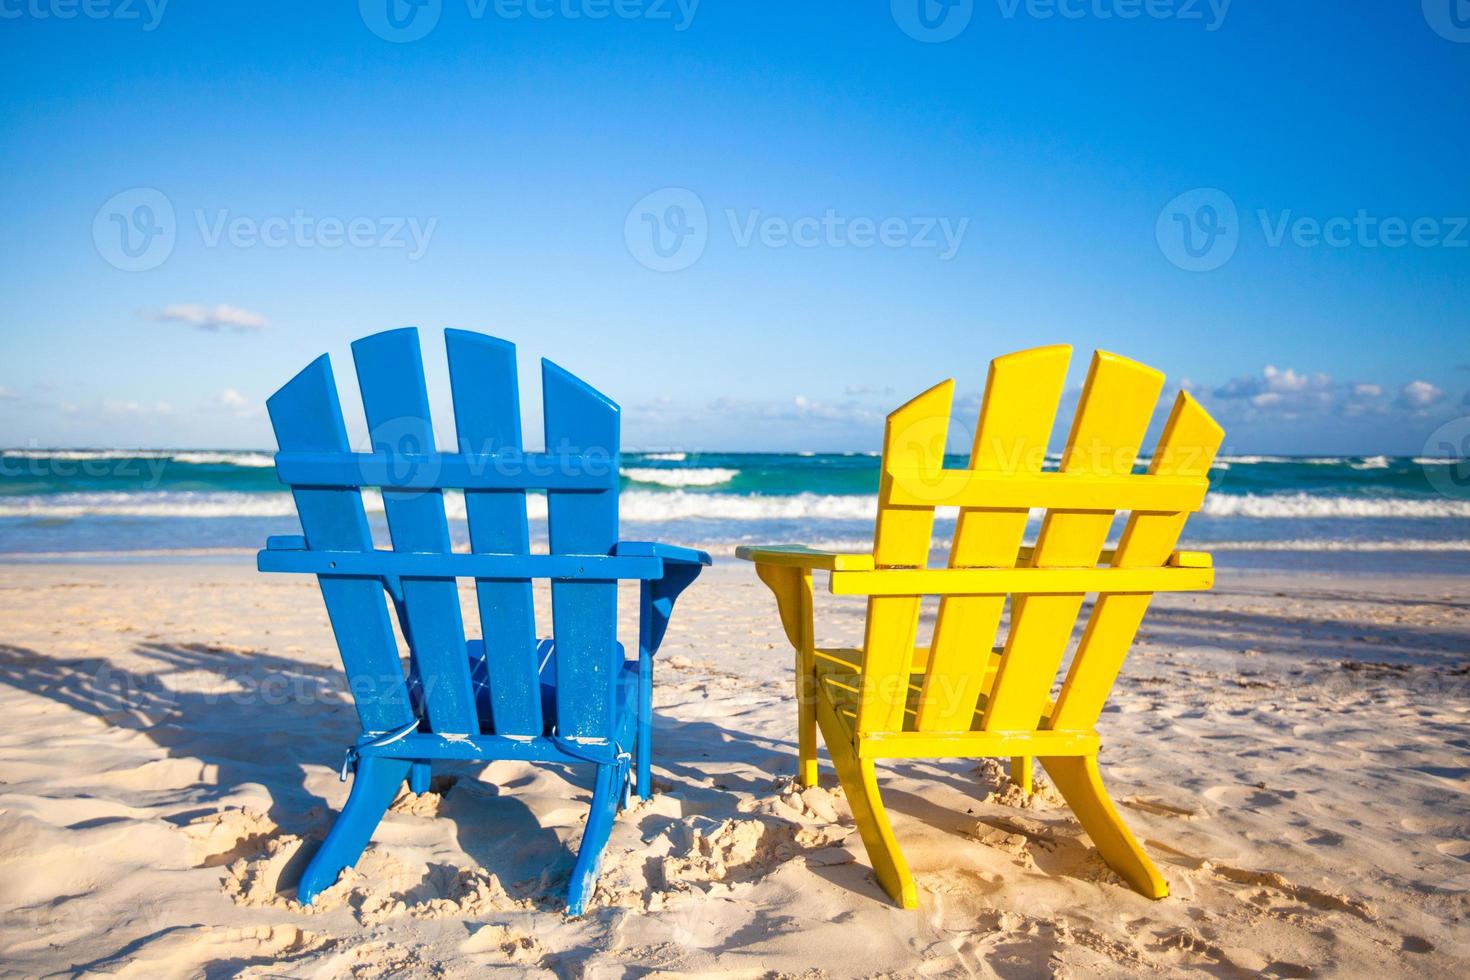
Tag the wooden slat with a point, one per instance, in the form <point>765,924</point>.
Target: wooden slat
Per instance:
<point>1117,403</point>
<point>390,374</point>
<point>1066,491</point>
<point>307,417</point>
<point>1020,582</point>
<point>487,419</point>
<point>1187,448</point>
<point>467,469</point>
<point>505,568</point>
<point>581,420</point>
<point>1022,392</point>
<point>912,438</point>
<point>969,745</point>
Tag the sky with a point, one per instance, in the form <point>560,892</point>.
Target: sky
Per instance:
<point>755,225</point>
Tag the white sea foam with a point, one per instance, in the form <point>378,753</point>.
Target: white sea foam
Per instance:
<point>155,504</point>
<point>1438,460</point>
<point>1372,463</point>
<point>1300,505</point>
<point>198,457</point>
<point>1254,459</point>
<point>1320,544</point>
<point>711,477</point>
<point>666,457</point>
<point>677,504</point>
<point>81,455</point>
<point>253,460</point>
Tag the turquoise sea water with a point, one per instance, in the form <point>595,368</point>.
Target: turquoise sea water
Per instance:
<point>70,501</point>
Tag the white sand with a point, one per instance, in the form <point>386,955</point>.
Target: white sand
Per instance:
<point>1297,764</point>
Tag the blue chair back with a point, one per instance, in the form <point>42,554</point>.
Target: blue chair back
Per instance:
<point>454,686</point>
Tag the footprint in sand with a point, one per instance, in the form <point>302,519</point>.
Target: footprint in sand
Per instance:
<point>1455,849</point>
<point>504,943</point>
<point>1267,890</point>
<point>224,837</point>
<point>207,950</point>
<point>1159,808</point>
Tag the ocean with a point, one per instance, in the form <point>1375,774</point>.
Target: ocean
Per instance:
<point>1329,509</point>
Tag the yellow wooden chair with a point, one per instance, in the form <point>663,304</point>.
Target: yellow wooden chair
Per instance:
<point>959,696</point>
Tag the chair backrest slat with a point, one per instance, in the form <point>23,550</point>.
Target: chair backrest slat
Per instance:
<point>487,419</point>
<point>307,417</point>
<point>581,420</point>
<point>1187,448</point>
<point>390,374</point>
<point>1019,408</point>
<point>1117,403</point>
<point>913,438</point>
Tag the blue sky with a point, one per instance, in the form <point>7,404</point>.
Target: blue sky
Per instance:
<point>851,204</point>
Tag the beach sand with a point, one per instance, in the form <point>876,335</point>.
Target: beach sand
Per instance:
<point>1292,749</point>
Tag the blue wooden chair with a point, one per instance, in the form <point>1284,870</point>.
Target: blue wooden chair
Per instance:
<point>573,698</point>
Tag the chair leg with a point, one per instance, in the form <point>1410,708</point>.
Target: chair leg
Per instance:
<point>374,786</point>
<point>643,753</point>
<point>1023,772</point>
<point>1078,780</point>
<point>419,777</point>
<point>806,725</point>
<point>605,796</point>
<point>860,784</point>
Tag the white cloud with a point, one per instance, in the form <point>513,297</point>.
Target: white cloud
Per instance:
<point>1286,394</point>
<point>7,393</point>
<point>218,317</point>
<point>232,402</point>
<point>1286,381</point>
<point>1419,395</point>
<point>129,408</point>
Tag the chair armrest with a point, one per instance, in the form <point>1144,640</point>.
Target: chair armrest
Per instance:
<point>800,556</point>
<point>668,552</point>
<point>285,542</point>
<point>681,566</point>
